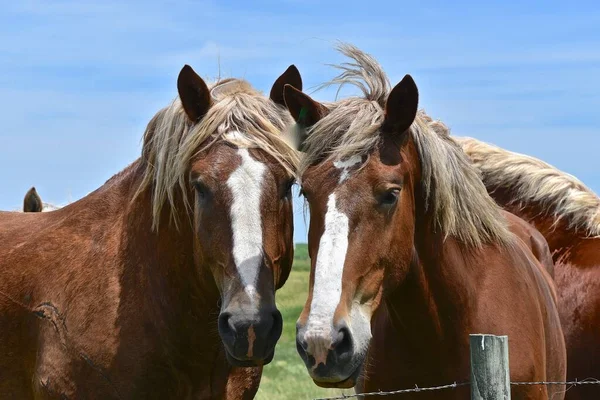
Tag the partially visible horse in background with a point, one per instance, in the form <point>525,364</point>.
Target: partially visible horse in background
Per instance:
<point>32,202</point>
<point>161,283</point>
<point>567,213</point>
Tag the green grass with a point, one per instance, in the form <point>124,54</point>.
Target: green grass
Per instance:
<point>301,258</point>
<point>286,376</point>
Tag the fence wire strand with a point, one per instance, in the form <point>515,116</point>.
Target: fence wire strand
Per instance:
<point>589,381</point>
<point>401,391</point>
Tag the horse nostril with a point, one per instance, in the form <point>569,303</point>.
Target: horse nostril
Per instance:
<point>226,328</point>
<point>301,345</point>
<point>343,341</point>
<point>277,326</point>
<point>302,349</point>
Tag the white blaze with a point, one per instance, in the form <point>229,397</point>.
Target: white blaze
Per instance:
<point>245,184</point>
<point>327,287</point>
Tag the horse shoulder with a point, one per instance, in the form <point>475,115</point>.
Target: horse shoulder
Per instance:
<point>66,274</point>
<point>542,314</point>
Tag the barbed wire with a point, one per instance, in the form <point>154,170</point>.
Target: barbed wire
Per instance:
<point>576,382</point>
<point>401,391</point>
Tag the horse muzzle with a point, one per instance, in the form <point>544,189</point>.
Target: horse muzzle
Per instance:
<point>249,335</point>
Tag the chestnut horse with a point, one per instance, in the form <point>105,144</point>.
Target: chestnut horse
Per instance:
<point>32,202</point>
<point>568,215</point>
<point>161,283</point>
<point>409,253</point>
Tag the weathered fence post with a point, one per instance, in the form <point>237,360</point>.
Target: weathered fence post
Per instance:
<point>490,375</point>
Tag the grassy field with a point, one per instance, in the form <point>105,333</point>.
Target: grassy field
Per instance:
<point>286,377</point>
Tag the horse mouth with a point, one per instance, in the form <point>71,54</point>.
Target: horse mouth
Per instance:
<point>347,383</point>
<point>236,362</point>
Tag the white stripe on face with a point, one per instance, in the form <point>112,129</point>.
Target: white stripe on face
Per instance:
<point>327,287</point>
<point>245,184</point>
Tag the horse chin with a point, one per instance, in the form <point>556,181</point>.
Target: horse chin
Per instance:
<point>249,362</point>
<point>347,383</point>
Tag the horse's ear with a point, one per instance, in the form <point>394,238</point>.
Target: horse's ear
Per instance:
<point>194,94</point>
<point>292,77</point>
<point>401,106</point>
<point>305,111</point>
<point>32,201</point>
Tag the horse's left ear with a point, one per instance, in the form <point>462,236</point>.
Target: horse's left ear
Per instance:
<point>305,111</point>
<point>291,77</point>
<point>32,201</point>
<point>194,94</point>
<point>401,106</point>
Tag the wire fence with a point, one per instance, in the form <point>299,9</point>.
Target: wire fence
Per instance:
<point>416,389</point>
<point>401,391</point>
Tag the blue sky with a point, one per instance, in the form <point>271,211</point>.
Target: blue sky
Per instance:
<point>79,80</point>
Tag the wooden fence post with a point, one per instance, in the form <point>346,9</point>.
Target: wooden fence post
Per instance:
<point>490,374</point>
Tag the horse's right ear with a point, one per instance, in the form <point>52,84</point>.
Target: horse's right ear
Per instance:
<point>194,94</point>
<point>32,201</point>
<point>291,76</point>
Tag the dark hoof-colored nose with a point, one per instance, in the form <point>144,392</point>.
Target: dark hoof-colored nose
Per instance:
<point>250,338</point>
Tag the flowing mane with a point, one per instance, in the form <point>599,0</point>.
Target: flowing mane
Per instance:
<point>532,181</point>
<point>171,140</point>
<point>451,185</point>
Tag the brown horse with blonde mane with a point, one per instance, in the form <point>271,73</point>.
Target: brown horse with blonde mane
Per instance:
<point>567,213</point>
<point>409,253</point>
<point>161,283</point>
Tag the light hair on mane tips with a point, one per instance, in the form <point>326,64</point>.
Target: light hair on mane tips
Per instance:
<point>452,188</point>
<point>531,181</point>
<point>171,141</point>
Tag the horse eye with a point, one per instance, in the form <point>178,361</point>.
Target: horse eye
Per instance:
<point>390,197</point>
<point>201,189</point>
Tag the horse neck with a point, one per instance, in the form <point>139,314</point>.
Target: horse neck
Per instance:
<point>166,255</point>
<point>557,233</point>
<point>432,307</point>
<point>160,276</point>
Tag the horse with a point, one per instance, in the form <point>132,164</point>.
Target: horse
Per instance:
<point>409,254</point>
<point>32,202</point>
<point>161,283</point>
<point>567,213</point>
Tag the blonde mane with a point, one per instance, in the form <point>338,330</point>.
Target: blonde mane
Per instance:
<point>452,188</point>
<point>532,181</point>
<point>46,207</point>
<point>171,140</point>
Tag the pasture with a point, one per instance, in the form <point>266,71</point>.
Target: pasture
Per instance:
<point>286,377</point>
